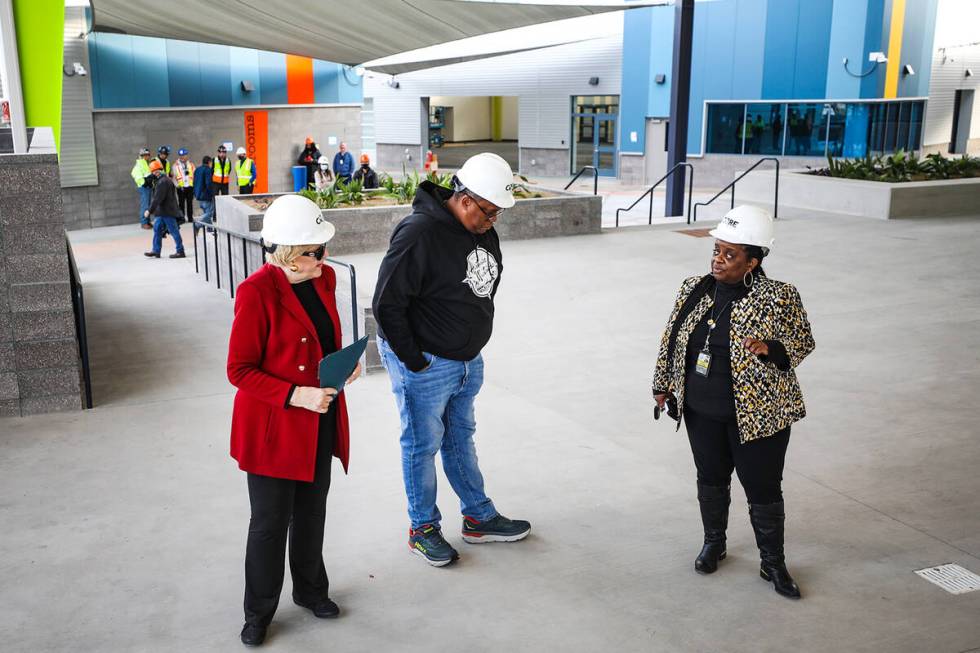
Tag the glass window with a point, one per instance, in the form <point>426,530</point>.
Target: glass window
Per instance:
<point>724,128</point>
<point>904,114</point>
<point>806,129</point>
<point>915,126</point>
<point>583,143</point>
<point>891,126</point>
<point>596,104</point>
<point>850,130</point>
<point>766,133</point>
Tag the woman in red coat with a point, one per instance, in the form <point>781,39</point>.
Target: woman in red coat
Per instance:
<point>285,429</point>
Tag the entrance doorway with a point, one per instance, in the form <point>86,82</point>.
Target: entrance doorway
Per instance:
<point>460,126</point>
<point>962,113</point>
<point>595,133</point>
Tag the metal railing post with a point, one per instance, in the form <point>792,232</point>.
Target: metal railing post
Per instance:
<point>231,268</point>
<point>197,270</point>
<point>217,266</point>
<point>775,197</point>
<point>244,259</point>
<point>731,185</point>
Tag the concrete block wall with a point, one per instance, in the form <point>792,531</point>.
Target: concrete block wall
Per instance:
<point>39,362</point>
<point>547,162</point>
<point>120,134</point>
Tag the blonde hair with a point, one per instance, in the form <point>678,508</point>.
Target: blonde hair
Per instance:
<point>285,254</point>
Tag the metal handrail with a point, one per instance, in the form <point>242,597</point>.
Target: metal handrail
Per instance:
<point>775,199</point>
<point>78,304</point>
<point>201,226</point>
<point>595,177</point>
<point>649,191</point>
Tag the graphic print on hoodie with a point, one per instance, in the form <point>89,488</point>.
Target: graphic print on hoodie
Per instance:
<point>436,284</point>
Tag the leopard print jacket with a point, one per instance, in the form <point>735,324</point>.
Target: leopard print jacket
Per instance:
<point>767,400</point>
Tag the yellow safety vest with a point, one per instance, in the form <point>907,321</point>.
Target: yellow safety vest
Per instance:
<point>244,171</point>
<point>220,175</point>
<point>184,174</point>
<point>140,172</point>
<point>165,164</point>
<point>746,130</point>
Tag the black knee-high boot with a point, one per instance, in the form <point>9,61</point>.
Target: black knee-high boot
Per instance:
<point>768,521</point>
<point>714,503</point>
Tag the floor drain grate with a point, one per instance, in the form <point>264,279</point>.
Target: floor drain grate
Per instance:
<point>952,578</point>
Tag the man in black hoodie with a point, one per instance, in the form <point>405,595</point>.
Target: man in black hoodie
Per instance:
<point>434,307</point>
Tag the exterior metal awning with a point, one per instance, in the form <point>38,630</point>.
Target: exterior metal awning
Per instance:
<point>343,32</point>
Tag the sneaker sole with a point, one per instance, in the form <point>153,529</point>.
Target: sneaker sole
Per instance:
<point>434,563</point>
<point>486,538</point>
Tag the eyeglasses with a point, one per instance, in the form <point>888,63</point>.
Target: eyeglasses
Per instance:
<point>488,215</point>
<point>317,253</point>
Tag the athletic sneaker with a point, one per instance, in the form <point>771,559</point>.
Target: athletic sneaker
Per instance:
<point>498,529</point>
<point>427,541</point>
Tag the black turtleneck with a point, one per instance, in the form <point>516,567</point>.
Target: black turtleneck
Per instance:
<point>714,395</point>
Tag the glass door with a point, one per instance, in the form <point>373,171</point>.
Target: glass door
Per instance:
<point>595,133</point>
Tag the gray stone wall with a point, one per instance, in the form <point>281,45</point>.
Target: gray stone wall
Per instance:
<point>632,168</point>
<point>391,157</point>
<point>714,171</point>
<point>39,362</point>
<point>546,162</point>
<point>120,134</point>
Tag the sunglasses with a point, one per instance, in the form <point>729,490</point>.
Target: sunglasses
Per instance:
<point>317,253</point>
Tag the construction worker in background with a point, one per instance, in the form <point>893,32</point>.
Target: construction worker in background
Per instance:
<point>162,153</point>
<point>323,178</point>
<point>365,175</point>
<point>309,158</point>
<point>245,172</point>
<point>144,184</point>
<point>184,180</point>
<point>343,164</point>
<point>222,172</point>
<point>204,190</point>
<point>164,207</point>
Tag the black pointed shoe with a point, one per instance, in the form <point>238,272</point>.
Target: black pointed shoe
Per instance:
<point>714,502</point>
<point>322,609</point>
<point>178,255</point>
<point>253,635</point>
<point>151,254</point>
<point>768,521</point>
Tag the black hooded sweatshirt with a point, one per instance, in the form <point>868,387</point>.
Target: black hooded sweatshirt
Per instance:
<point>436,284</point>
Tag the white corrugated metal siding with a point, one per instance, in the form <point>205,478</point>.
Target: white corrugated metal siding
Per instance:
<point>544,80</point>
<point>77,148</point>
<point>949,66</point>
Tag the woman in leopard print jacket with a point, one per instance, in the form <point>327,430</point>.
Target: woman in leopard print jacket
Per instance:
<point>726,366</point>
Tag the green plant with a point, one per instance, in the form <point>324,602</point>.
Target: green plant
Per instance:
<point>900,167</point>
<point>352,193</point>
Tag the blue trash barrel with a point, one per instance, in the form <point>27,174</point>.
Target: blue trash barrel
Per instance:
<point>299,178</point>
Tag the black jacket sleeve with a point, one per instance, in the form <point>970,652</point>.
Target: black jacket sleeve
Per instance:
<point>159,195</point>
<point>777,355</point>
<point>399,282</point>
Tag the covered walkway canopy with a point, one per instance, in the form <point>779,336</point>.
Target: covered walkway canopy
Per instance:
<point>335,31</point>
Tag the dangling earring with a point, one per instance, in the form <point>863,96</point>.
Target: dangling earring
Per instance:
<point>748,279</point>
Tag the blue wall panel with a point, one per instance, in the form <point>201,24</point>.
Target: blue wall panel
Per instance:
<point>661,60</point>
<point>873,86</point>
<point>634,97</point>
<point>184,73</point>
<point>749,49</point>
<point>350,87</point>
<point>272,77</point>
<point>920,27</point>
<point>847,39</point>
<point>215,75</point>
<point>812,48</point>
<point>244,66</point>
<point>780,38</point>
<point>699,55</point>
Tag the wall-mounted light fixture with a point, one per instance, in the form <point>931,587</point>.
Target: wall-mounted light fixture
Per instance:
<point>393,83</point>
<point>75,69</point>
<point>907,70</point>
<point>660,78</point>
<point>247,86</point>
<point>593,81</point>
<point>874,57</point>
<point>968,73</point>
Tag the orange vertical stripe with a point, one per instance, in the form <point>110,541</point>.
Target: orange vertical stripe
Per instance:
<point>257,147</point>
<point>299,80</point>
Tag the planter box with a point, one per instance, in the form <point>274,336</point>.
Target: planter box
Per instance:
<point>870,199</point>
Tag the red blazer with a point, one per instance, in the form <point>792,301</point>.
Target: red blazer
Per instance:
<point>273,347</point>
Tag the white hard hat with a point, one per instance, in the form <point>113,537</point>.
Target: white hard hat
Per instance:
<point>323,160</point>
<point>745,225</point>
<point>295,220</point>
<point>240,150</point>
<point>490,177</point>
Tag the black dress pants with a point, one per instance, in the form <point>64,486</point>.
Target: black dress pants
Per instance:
<point>281,507</point>
<point>185,200</point>
<point>718,451</point>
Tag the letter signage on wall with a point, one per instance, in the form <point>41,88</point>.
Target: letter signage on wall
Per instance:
<point>257,147</point>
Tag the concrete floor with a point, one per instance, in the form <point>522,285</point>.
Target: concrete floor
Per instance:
<point>452,156</point>
<point>124,526</point>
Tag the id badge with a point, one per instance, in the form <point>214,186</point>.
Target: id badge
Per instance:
<point>703,366</point>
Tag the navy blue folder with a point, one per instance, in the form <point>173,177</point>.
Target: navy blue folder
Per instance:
<point>337,367</point>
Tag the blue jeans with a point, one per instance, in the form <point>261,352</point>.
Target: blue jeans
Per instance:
<point>437,415</point>
<point>166,223</point>
<point>207,206</point>
<point>146,196</point>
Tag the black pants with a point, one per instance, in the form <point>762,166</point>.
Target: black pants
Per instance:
<point>717,451</point>
<point>281,506</point>
<point>221,189</point>
<point>246,189</point>
<point>185,200</point>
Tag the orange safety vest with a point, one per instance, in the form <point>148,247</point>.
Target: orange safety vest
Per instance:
<point>221,173</point>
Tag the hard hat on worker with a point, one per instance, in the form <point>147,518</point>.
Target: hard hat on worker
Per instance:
<point>324,161</point>
<point>746,225</point>
<point>309,140</point>
<point>156,166</point>
<point>488,176</point>
<point>295,220</point>
<point>163,149</point>
<point>144,151</point>
<point>182,151</point>
<point>240,150</point>
<point>365,159</point>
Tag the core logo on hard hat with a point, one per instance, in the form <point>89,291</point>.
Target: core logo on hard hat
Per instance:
<point>730,222</point>
<point>481,272</point>
<point>319,219</point>
<point>510,187</point>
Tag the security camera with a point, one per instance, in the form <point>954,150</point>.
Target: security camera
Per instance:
<point>908,70</point>
<point>79,69</point>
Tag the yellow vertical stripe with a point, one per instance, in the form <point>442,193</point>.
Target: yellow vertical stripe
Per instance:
<point>895,48</point>
<point>497,117</point>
